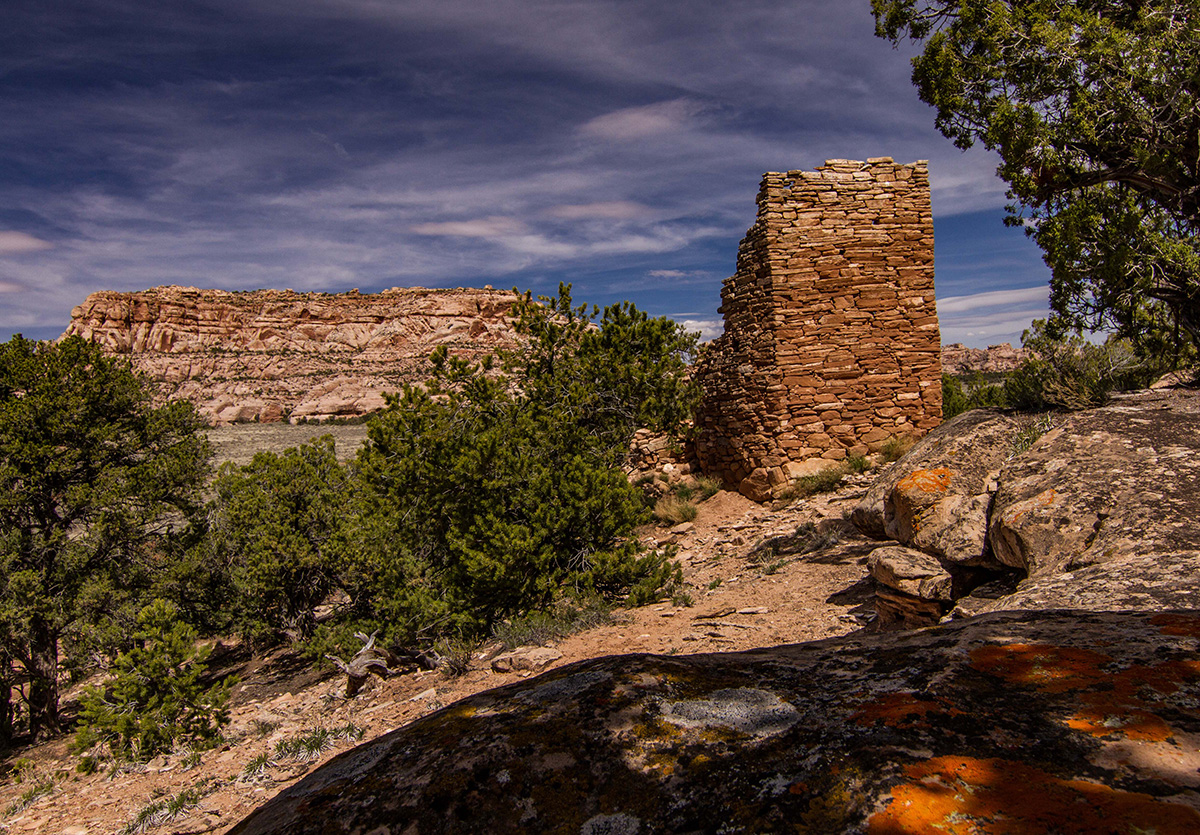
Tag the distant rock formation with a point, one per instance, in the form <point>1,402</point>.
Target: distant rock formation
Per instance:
<point>959,359</point>
<point>271,355</point>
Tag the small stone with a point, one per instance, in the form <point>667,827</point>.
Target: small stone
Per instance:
<point>524,659</point>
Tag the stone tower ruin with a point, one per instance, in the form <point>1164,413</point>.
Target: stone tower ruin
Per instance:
<point>831,342</point>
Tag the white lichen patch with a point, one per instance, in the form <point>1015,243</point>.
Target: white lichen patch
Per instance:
<point>744,709</point>
<point>618,824</point>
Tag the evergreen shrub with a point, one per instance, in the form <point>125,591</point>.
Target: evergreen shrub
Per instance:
<point>157,696</point>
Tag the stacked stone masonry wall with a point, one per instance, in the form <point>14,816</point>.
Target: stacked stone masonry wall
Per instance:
<point>831,344</point>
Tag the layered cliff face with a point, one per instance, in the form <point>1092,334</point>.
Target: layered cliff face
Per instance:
<point>272,355</point>
<point>959,359</point>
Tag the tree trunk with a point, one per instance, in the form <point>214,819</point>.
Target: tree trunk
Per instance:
<point>43,685</point>
<point>6,711</point>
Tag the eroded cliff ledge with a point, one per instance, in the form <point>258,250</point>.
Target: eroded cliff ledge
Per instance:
<point>272,355</point>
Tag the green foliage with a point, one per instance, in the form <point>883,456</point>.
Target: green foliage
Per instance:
<point>275,523</point>
<point>93,480</point>
<point>1091,106</point>
<point>156,696</point>
<point>1032,427</point>
<point>540,627</point>
<point>38,784</point>
<point>1062,372</point>
<point>608,381</point>
<point>455,656</point>
<point>708,487</point>
<point>962,395</point>
<point>805,539</point>
<point>652,578</point>
<point>1071,373</point>
<point>309,744</point>
<point>257,767</point>
<point>166,810</point>
<point>493,490</point>
<point>825,481</point>
<point>896,447</point>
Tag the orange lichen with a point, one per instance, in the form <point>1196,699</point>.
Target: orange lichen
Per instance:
<point>1109,701</point>
<point>1132,723</point>
<point>972,796</point>
<point>1177,624</point>
<point>926,481</point>
<point>900,710</point>
<point>1049,668</point>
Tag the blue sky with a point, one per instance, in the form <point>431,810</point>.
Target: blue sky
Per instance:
<point>337,144</point>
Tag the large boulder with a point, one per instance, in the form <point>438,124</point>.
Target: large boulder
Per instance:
<point>912,588</point>
<point>1101,512</point>
<point>1104,485</point>
<point>935,499</point>
<point>1008,722</point>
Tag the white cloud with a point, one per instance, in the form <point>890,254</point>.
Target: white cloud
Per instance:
<point>708,329</point>
<point>641,122</point>
<point>19,243</point>
<point>994,298</point>
<point>611,210</point>
<point>1004,326</point>
<point>488,227</point>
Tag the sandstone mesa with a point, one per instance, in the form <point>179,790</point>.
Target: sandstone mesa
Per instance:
<point>271,355</point>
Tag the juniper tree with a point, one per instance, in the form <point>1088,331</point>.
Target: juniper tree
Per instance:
<point>1094,109</point>
<point>92,477</point>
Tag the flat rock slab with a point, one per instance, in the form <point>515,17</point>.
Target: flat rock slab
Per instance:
<point>1104,485</point>
<point>1009,722</point>
<point>1153,581</point>
<point>525,659</point>
<point>912,572</point>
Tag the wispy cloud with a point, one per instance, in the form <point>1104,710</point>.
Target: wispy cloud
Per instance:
<point>20,243</point>
<point>985,330</point>
<point>640,122</point>
<point>488,227</point>
<point>610,210</point>
<point>994,298</point>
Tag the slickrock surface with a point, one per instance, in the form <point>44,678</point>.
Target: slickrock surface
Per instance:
<point>271,355</point>
<point>1013,722</point>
